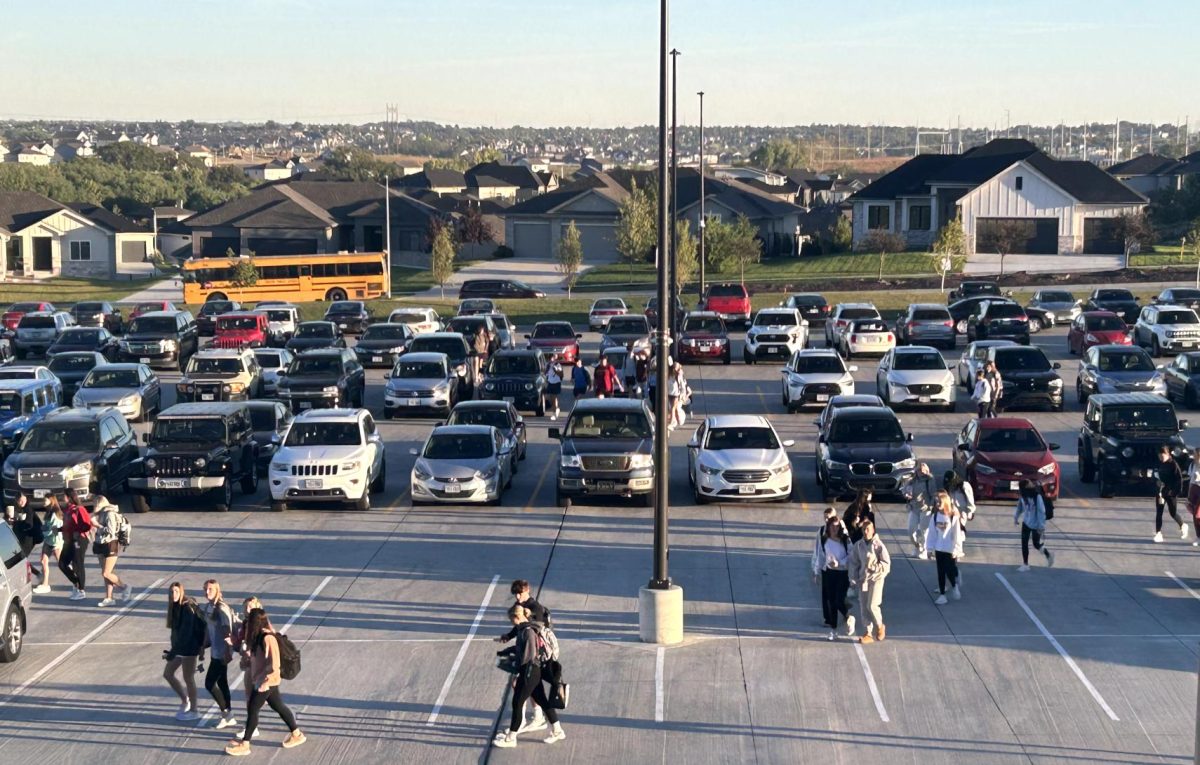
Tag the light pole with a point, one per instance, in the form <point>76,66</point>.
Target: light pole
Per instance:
<point>387,230</point>
<point>660,603</point>
<point>701,94</point>
<point>672,262</point>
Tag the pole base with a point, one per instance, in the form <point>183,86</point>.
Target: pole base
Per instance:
<point>660,615</point>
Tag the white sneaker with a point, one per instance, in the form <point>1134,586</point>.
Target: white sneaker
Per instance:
<point>916,542</point>
<point>1158,537</point>
<point>78,595</point>
<point>832,636</point>
<point>941,600</point>
<point>538,722</point>
<point>183,710</point>
<point>923,555</point>
<point>1049,558</point>
<point>955,593</point>
<point>225,722</point>
<point>106,603</point>
<point>242,733</point>
<point>850,626</point>
<point>505,740</point>
<point>1183,531</point>
<point>556,734</point>
<point>189,716</point>
<point>1023,568</point>
<point>1196,543</point>
<point>41,589</point>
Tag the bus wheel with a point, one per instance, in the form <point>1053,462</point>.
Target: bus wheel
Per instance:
<point>337,293</point>
<point>216,296</point>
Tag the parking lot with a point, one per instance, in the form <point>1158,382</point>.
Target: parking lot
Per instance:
<point>1094,660</point>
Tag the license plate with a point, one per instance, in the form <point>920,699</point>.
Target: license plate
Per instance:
<point>1121,314</point>
<point>306,405</point>
<point>1014,485</point>
<point>40,493</point>
<point>453,488</point>
<point>923,399</point>
<point>343,326</point>
<point>705,347</point>
<point>772,350</point>
<point>604,485</point>
<point>414,402</point>
<point>822,397</point>
<point>144,360</point>
<point>206,397</point>
<point>745,490</point>
<point>172,483</point>
<point>311,483</point>
<point>1188,344</point>
<point>376,359</point>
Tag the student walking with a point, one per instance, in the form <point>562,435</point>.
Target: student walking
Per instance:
<point>831,563</point>
<point>963,497</point>
<point>107,547</point>
<point>922,497</point>
<point>1031,517</point>
<point>26,527</point>
<point>869,566</point>
<point>606,380</point>
<point>1193,498</point>
<point>858,512</point>
<point>243,648</point>
<point>218,638</point>
<point>265,671</point>
<point>995,386</point>
<point>1170,484</point>
<point>187,624</point>
<point>554,380</point>
<point>77,532</point>
<point>480,344</point>
<point>52,541</point>
<point>528,682</point>
<point>982,395</point>
<point>944,538</point>
<point>538,614</point>
<point>579,379</point>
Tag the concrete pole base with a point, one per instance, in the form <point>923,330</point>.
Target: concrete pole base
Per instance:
<point>660,615</point>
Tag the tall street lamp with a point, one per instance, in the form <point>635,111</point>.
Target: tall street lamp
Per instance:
<point>701,94</point>
<point>673,261</point>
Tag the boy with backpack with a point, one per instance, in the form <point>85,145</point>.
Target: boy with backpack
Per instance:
<point>536,650</point>
<point>538,615</point>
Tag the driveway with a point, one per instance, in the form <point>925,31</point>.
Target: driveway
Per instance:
<point>542,274</point>
<point>167,289</point>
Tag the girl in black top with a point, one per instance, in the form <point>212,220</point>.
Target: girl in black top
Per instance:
<point>187,624</point>
<point>528,682</point>
<point>860,510</point>
<point>1170,484</point>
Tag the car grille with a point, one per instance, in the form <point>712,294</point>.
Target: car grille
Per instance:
<point>605,462</point>
<point>1143,454</point>
<point>40,478</point>
<point>869,468</point>
<point>746,476</point>
<point>307,470</point>
<point>509,387</point>
<point>925,390</point>
<point>1033,385</point>
<point>1133,386</point>
<point>816,389</point>
<point>154,347</point>
<point>173,466</point>
<point>209,389</point>
<point>418,393</point>
<point>1180,334</point>
<point>772,338</point>
<point>443,494</point>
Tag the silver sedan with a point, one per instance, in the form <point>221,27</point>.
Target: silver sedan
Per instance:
<point>132,388</point>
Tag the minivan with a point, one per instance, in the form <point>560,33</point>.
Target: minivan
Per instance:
<point>16,584</point>
<point>498,288</point>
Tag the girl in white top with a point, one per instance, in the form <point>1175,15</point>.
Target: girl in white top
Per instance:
<point>944,540</point>
<point>982,395</point>
<point>831,563</point>
<point>554,379</point>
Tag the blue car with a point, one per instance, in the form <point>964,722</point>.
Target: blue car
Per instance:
<point>22,404</point>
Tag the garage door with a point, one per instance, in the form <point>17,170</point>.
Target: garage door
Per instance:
<point>1100,237</point>
<point>1033,236</point>
<point>532,240</point>
<point>599,242</point>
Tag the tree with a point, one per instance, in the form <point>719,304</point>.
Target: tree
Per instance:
<point>447,163</point>
<point>637,229</point>
<point>686,261</point>
<point>951,243</point>
<point>570,256</point>
<point>843,235</point>
<point>884,243</point>
<point>1007,236</point>
<point>441,260</point>
<point>473,229</point>
<point>242,273</point>
<point>731,244</point>
<point>486,154</point>
<point>1135,231</point>
<point>780,153</point>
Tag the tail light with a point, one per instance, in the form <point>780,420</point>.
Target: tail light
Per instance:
<point>891,339</point>
<point>854,338</point>
<point>948,323</point>
<point>824,309</point>
<point>28,572</point>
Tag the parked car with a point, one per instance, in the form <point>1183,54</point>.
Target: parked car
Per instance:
<point>282,320</point>
<point>502,416</point>
<point>381,344</point>
<point>419,320</point>
<point>220,374</point>
<point>329,455</point>
<point>350,316</point>
<point>812,307</point>
<point>198,450</point>
<point>421,382</point>
<point>1028,377</point>
<point>651,312</point>
<point>95,339</point>
<point>739,457</point>
<point>1060,305</point>
<point>630,331</point>
<point>206,318</point>
<point>457,352</point>
<point>843,402</point>
<point>160,339</point>
<point>518,378</point>
<point>606,449</point>
<point>476,306</point>
<point>916,375</point>
<point>1117,369</point>
<point>12,317</point>
<point>973,358</point>
<point>23,403</point>
<point>1096,328</point>
<point>974,288</point>
<point>467,326</point>
<point>98,313</point>
<point>863,447</point>
<point>311,335</point>
<point>1182,378</point>
<point>729,301</point>
<point>961,310</point>
<point>88,451</point>
<point>1120,440</point>
<point>866,337</point>
<point>462,464</point>
<point>269,421</point>
<point>1169,329</point>
<point>555,337</point>
<point>242,329</point>
<point>498,289</point>
<point>272,362</point>
<point>323,378</point>
<point>814,376</point>
<point>926,324</point>
<point>604,309</point>
<point>506,333</point>
<point>996,454</point>
<point>1118,300</point>
<point>71,367</point>
<point>133,389</point>
<point>840,318</point>
<point>776,333</point>
<point>36,332</point>
<point>16,580</point>
<point>150,307</point>
<point>702,337</point>
<point>1188,297</point>
<point>998,321</point>
<point>32,372</point>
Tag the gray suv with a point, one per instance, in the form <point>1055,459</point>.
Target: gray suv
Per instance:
<point>607,450</point>
<point>37,331</point>
<point>16,590</point>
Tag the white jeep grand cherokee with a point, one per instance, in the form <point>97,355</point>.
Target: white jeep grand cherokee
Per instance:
<point>329,455</point>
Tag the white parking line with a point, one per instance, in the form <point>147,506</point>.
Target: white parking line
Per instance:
<point>862,659</point>
<point>659,658</point>
<point>81,642</point>
<point>462,651</point>
<point>1182,584</point>
<point>1061,651</point>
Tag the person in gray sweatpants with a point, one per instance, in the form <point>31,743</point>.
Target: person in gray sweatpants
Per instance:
<point>922,496</point>
<point>869,566</point>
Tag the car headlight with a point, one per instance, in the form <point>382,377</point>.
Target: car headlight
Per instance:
<point>1046,469</point>
<point>236,387</point>
<point>151,463</point>
<point>442,387</point>
<point>421,470</point>
<point>984,469</point>
<point>9,472</point>
<point>170,345</point>
<point>835,465</point>
<point>784,468</point>
<point>528,386</point>
<point>641,461</point>
<point>200,462</point>
<point>184,387</point>
<point>1090,338</point>
<point>486,475</point>
<point>489,386</point>
<point>906,464</point>
<point>1157,380</point>
<point>351,466</point>
<point>396,349</point>
<point>708,470</point>
<point>330,389</point>
<point>689,341</point>
<point>570,461</point>
<point>1127,452</point>
<point>123,345</point>
<point>280,467</point>
<point>1056,382</point>
<point>78,471</point>
<point>129,400</point>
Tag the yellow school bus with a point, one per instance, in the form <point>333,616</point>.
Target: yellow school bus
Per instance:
<point>294,278</point>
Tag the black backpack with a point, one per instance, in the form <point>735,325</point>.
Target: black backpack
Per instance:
<point>1049,505</point>
<point>289,657</point>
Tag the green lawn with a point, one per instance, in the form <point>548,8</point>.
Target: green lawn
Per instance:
<point>406,281</point>
<point>1162,255</point>
<point>64,291</point>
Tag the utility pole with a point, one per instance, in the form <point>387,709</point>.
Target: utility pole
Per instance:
<point>672,262</point>
<point>701,94</point>
<point>387,230</point>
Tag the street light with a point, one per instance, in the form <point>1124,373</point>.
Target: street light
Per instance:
<point>701,94</point>
<point>673,259</point>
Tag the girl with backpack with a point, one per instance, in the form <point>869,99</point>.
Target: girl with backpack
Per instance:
<point>52,541</point>
<point>944,538</point>
<point>77,532</point>
<point>831,563</point>
<point>243,649</point>
<point>528,682</point>
<point>107,547</point>
<point>1031,517</point>
<point>187,625</point>
<point>265,674</point>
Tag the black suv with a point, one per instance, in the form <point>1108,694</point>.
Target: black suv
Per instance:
<point>96,339</point>
<point>516,377</point>
<point>159,339</point>
<point>607,449</point>
<point>498,288</point>
<point>1119,301</point>
<point>351,316</point>
<point>998,320</point>
<point>91,451</point>
<point>206,319</point>
<point>270,420</point>
<point>863,447</point>
<point>315,334</point>
<point>198,450</point>
<point>1028,377</point>
<point>1121,437</point>
<point>72,368</point>
<point>974,288</point>
<point>98,313</point>
<point>324,378</point>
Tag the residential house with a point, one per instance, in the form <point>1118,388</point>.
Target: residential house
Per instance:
<point>1066,207</point>
<point>30,156</point>
<point>275,170</point>
<point>43,238</point>
<point>784,192</point>
<point>69,150</point>
<point>492,180</point>
<point>202,153</point>
<point>106,137</point>
<point>146,139</point>
<point>63,136</point>
<point>745,172</point>
<point>1151,173</point>
<point>777,220</point>
<point>174,237</point>
<point>439,180</point>
<point>548,180</point>
<point>130,246</point>
<point>536,164</point>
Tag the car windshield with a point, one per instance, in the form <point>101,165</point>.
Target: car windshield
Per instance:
<point>870,325</point>
<point>1125,361</point>
<point>818,364</point>
<point>37,322</point>
<point>18,373</point>
<point>981,287</point>
<point>1005,311</point>
<point>25,307</point>
<point>1010,440</point>
<point>517,364</point>
<point>89,307</point>
<point>708,324</point>
<point>459,446</point>
<point>262,417</point>
<point>72,362</point>
<point>775,319</point>
<point>921,360</point>
<point>453,347</point>
<point>865,430</point>
<point>324,434</point>
<point>384,332</point>
<point>269,360</point>
<point>608,425</point>
<point>1114,295</point>
<point>408,317</point>
<point>238,322</point>
<point>858,313</point>
<point>277,315</point>
<point>75,437</point>
<point>345,307</point>
<point>201,430</point>
<point>316,365</point>
<point>1022,360</point>
<point>741,438</point>
<point>155,325</point>
<point>1178,317</point>
<point>214,307</point>
<point>553,331</point>
<point>477,415</point>
<point>200,365</point>
<point>1057,297</point>
<point>315,330</point>
<point>466,326</point>
<point>930,314</point>
<point>419,370</point>
<point>476,304</point>
<point>79,336</point>
<point>1104,324</point>
<point>1122,419</point>
<point>111,378</point>
<point>628,325</point>
<point>727,290</point>
<point>608,304</point>
<point>10,402</point>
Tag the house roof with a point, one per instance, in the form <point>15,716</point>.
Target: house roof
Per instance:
<point>107,218</point>
<point>984,162</point>
<point>434,178</point>
<point>789,187</point>
<point>1084,181</point>
<point>21,209</point>
<point>1146,164</point>
<point>492,174</point>
<point>173,212</point>
<point>910,178</point>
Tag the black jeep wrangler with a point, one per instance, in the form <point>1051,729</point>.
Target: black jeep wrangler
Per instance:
<point>198,450</point>
<point>1120,440</point>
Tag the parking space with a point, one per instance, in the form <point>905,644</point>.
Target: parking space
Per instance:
<point>1093,660</point>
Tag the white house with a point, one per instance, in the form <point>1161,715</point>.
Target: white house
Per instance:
<point>275,170</point>
<point>43,238</point>
<point>202,153</point>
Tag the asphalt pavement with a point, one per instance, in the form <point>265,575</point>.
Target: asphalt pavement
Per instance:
<point>1094,660</point>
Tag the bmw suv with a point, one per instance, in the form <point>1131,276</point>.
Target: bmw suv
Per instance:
<point>863,447</point>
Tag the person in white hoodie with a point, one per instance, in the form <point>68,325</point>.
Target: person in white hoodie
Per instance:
<point>831,563</point>
<point>869,566</point>
<point>921,494</point>
<point>1031,517</point>
<point>982,394</point>
<point>944,539</point>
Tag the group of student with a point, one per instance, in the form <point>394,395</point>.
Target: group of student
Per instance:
<point>638,377</point>
<point>530,668</point>
<point>988,390</point>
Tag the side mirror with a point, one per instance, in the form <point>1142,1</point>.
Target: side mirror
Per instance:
<point>1183,424</point>
<point>693,444</point>
<point>145,438</point>
<point>387,375</point>
<point>817,423</point>
<point>783,372</point>
<point>438,424</point>
<point>578,336</point>
<point>414,452</point>
<point>112,444</point>
<point>852,368</point>
<point>963,447</point>
<point>788,444</point>
<point>908,437</point>
<point>1054,447</point>
<point>554,433</point>
<point>1056,365</point>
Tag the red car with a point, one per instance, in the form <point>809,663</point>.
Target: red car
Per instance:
<point>996,454</point>
<point>12,317</point>
<point>150,307</point>
<point>702,337</point>
<point>730,301</point>
<point>246,329</point>
<point>555,337</point>
<point>1096,328</point>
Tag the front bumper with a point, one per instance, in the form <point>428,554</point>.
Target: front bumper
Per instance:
<point>1023,397</point>
<point>1179,344</point>
<point>1119,471</point>
<point>600,321</point>
<point>526,400</point>
<point>300,401</point>
<point>773,487</point>
<point>706,352</point>
<point>353,326</point>
<point>817,393</point>
<point>1007,486</point>
<point>288,488</point>
<point>185,486</point>
<point>575,482</point>
<point>376,359</point>
<point>221,394</point>
<point>397,406</point>
<point>462,492</point>
<point>843,481</point>
<point>903,394</point>
<point>36,495</point>
<point>150,358</point>
<point>131,411</point>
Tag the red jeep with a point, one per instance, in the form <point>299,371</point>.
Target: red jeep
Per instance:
<point>241,330</point>
<point>730,301</point>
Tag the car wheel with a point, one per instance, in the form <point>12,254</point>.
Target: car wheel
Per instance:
<point>747,358</point>
<point>335,294</point>
<point>225,503</point>
<point>697,497</point>
<point>1035,325</point>
<point>1105,485</point>
<point>728,357</point>
<point>250,482</point>
<point>562,500</point>
<point>278,507</point>
<point>1155,348</point>
<point>14,635</point>
<point>1189,397</point>
<point>363,503</point>
<point>141,503</point>
<point>1079,394</point>
<point>1087,471</point>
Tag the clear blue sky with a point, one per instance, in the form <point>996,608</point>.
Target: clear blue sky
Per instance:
<point>593,62</point>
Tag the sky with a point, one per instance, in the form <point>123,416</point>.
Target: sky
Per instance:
<point>595,62</point>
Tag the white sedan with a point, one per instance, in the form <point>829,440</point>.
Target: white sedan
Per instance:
<point>915,375</point>
<point>739,457</point>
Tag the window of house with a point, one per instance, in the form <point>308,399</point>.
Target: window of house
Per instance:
<point>81,250</point>
<point>919,217</point>
<point>1020,182</point>
<point>879,217</point>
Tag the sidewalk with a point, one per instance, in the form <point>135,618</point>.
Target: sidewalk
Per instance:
<point>167,289</point>
<point>536,273</point>
<point>981,265</point>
